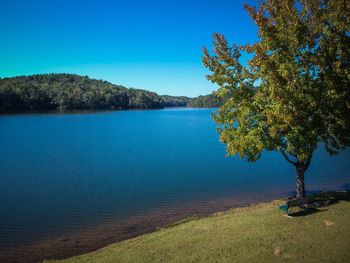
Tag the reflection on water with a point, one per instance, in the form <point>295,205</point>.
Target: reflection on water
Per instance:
<point>64,174</point>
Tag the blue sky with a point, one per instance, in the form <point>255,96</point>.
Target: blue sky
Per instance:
<point>153,45</point>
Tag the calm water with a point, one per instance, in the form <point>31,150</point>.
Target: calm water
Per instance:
<point>63,172</point>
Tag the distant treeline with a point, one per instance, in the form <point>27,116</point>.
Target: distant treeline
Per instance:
<point>70,91</point>
<point>207,101</point>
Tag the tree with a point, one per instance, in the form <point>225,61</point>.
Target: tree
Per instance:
<point>294,92</point>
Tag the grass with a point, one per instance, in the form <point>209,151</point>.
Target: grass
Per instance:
<point>254,234</point>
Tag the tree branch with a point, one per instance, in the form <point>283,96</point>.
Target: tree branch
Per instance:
<point>307,164</point>
<point>287,158</point>
<point>284,149</point>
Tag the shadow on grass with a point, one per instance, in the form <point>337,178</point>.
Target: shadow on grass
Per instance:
<point>306,212</point>
<point>321,200</point>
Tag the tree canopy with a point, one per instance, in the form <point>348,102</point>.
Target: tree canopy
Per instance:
<point>294,92</point>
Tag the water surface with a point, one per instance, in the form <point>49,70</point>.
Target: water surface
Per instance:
<point>61,173</point>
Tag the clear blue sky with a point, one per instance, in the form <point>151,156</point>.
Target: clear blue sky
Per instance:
<point>154,45</point>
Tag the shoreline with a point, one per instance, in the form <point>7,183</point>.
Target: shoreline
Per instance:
<point>91,111</point>
<point>95,238</point>
<point>258,233</point>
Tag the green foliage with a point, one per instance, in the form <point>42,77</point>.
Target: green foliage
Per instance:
<point>295,90</point>
<point>207,101</point>
<point>68,91</point>
<point>175,101</point>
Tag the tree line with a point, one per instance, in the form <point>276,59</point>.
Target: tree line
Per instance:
<point>70,91</point>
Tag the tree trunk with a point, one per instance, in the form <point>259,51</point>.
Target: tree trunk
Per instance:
<point>300,181</point>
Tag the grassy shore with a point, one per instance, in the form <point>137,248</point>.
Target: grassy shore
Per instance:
<point>254,234</point>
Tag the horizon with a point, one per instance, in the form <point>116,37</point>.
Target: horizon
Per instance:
<point>152,46</point>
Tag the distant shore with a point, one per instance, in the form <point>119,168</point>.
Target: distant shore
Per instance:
<point>90,111</point>
<point>74,92</point>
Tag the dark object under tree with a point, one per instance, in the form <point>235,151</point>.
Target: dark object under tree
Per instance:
<point>306,202</point>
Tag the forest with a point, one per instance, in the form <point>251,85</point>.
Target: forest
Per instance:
<point>71,91</point>
<point>207,101</point>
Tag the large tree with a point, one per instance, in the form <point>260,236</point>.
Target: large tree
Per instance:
<point>294,92</point>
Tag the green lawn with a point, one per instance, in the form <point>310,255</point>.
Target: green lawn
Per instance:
<point>254,234</point>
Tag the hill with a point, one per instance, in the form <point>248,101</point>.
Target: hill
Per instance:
<point>70,91</point>
<point>175,101</point>
<point>207,101</point>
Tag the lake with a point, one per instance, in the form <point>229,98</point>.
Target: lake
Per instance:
<point>63,174</point>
